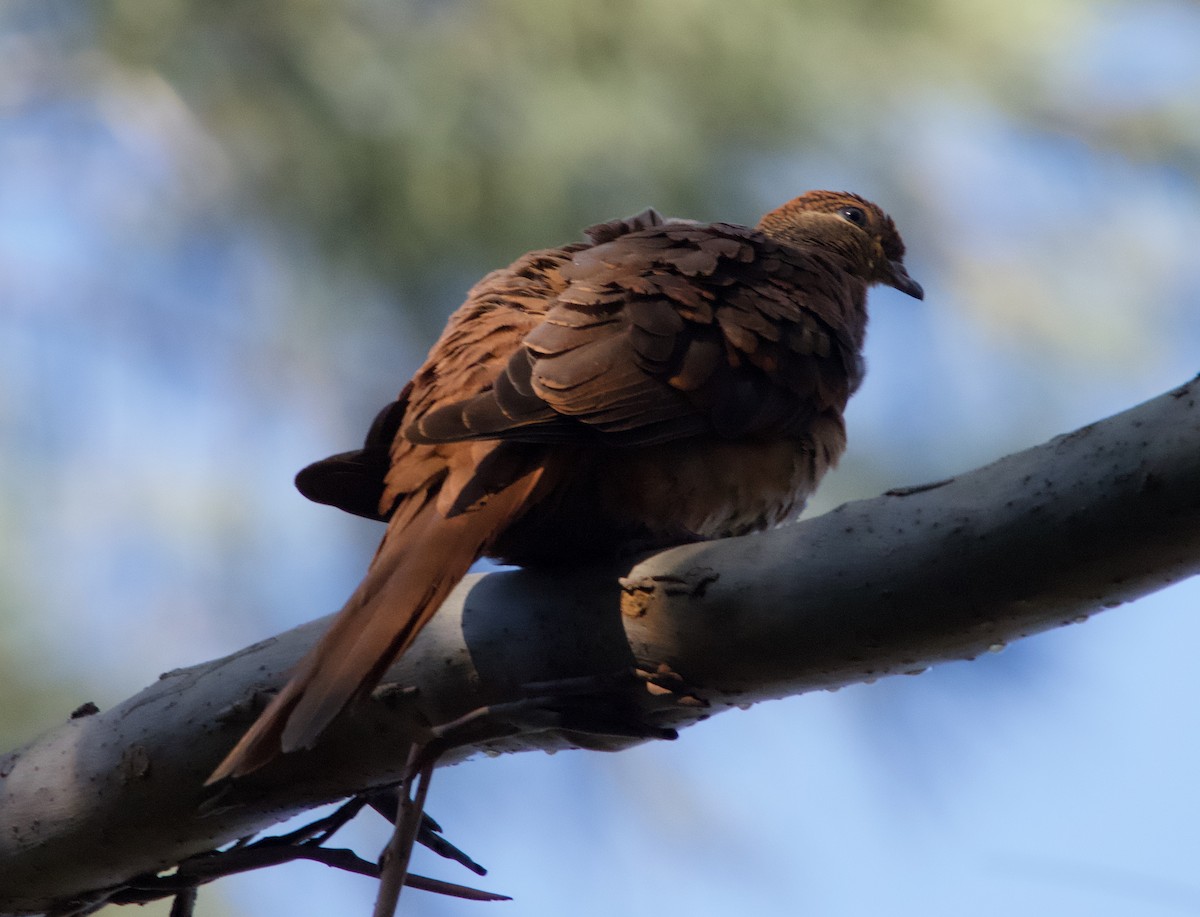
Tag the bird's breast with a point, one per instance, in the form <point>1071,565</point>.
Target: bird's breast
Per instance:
<point>614,501</point>
<point>716,488</point>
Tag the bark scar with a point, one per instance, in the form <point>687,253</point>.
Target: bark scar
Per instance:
<point>135,764</point>
<point>638,592</point>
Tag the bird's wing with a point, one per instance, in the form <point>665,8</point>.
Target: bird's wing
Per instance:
<point>472,351</point>
<point>668,332</point>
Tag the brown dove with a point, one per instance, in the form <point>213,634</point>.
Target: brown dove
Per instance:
<point>665,381</point>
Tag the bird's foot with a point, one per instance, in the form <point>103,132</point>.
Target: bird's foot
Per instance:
<point>591,710</point>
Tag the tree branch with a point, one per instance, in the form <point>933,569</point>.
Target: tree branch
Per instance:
<point>1037,540</point>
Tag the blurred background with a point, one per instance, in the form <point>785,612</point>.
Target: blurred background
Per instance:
<point>229,232</point>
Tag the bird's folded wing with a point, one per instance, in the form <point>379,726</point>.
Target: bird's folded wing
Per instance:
<point>668,332</point>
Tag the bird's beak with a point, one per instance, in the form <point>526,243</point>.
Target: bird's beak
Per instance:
<point>898,277</point>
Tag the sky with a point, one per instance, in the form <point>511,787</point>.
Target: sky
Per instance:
<point>161,380</point>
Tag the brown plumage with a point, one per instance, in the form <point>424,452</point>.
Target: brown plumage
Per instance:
<point>664,381</point>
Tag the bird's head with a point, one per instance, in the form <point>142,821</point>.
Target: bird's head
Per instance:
<point>849,225</point>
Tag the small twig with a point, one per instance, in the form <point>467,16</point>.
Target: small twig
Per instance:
<point>321,830</point>
<point>209,867</point>
<point>398,853</point>
<point>387,802</point>
<point>185,903</point>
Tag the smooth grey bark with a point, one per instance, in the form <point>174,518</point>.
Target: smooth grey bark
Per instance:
<point>1039,539</point>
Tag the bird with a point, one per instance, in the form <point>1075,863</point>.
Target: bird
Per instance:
<point>662,381</point>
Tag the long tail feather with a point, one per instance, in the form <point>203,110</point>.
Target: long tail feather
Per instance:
<point>417,566</point>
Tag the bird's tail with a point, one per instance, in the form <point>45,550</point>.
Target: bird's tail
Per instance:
<point>419,562</point>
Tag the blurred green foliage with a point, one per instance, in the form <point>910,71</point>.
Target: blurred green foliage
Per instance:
<point>416,138</point>
<point>421,143</point>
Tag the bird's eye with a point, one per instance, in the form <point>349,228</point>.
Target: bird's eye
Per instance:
<point>855,215</point>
